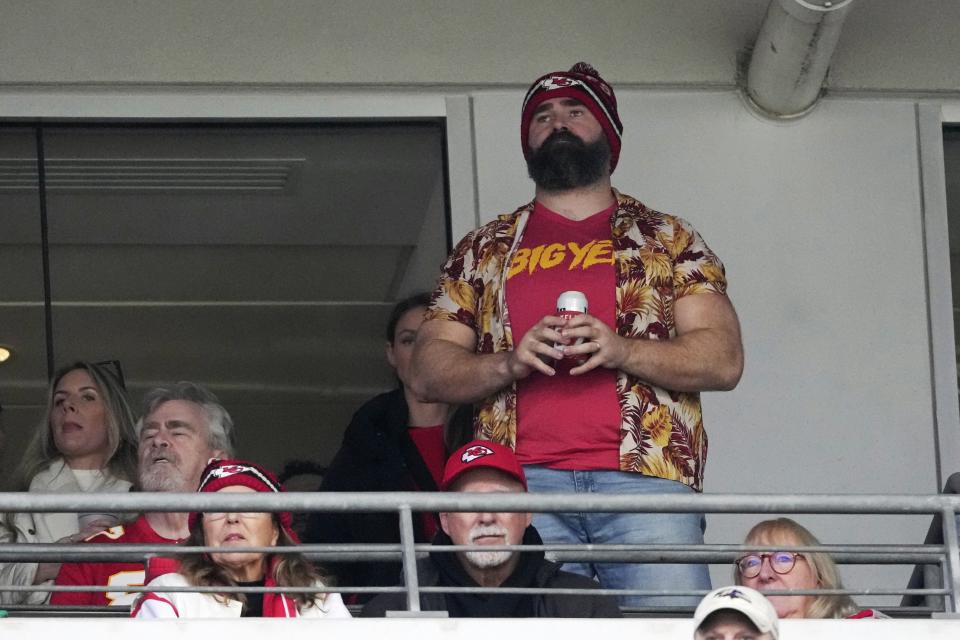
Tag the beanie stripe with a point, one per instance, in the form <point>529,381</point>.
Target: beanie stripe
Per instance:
<point>615,125</point>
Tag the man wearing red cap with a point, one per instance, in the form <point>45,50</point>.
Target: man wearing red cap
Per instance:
<point>605,401</point>
<point>487,467</point>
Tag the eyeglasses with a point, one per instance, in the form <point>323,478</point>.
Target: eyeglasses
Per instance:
<point>781,562</point>
<point>213,516</point>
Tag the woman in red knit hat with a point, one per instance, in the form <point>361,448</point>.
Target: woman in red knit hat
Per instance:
<point>246,569</point>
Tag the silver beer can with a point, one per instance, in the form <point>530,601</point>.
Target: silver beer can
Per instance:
<point>570,304</point>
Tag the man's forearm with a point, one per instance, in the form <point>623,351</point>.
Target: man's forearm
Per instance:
<point>701,360</point>
<point>447,372</point>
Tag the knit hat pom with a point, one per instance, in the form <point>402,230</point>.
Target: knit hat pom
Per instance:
<point>585,68</point>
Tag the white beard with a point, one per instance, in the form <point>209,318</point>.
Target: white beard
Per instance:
<point>488,559</point>
<point>163,478</point>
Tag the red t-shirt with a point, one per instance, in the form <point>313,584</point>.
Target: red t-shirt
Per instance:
<point>564,421</point>
<point>110,574</point>
<point>429,442</point>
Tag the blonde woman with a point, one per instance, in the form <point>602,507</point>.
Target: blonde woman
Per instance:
<point>83,444</point>
<point>770,570</point>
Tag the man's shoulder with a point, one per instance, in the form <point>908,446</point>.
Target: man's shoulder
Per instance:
<point>592,606</point>
<point>554,577</point>
<point>136,531</point>
<point>632,207</point>
<point>501,223</point>
<point>114,534</point>
<point>649,219</point>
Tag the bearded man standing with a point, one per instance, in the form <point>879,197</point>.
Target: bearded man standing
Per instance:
<point>606,401</point>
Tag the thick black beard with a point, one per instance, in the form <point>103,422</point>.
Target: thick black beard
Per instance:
<point>564,162</point>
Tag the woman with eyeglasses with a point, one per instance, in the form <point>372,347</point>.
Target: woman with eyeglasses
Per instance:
<point>786,569</point>
<point>226,530</point>
<point>84,443</point>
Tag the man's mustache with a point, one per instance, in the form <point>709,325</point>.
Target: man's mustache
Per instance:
<point>562,136</point>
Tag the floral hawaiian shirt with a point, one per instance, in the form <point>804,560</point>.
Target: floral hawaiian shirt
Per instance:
<point>659,259</point>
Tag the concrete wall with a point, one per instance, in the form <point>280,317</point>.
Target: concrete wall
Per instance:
<point>887,44</point>
<point>819,224</point>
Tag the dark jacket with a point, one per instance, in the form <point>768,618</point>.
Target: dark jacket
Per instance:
<point>377,454</point>
<point>545,574</point>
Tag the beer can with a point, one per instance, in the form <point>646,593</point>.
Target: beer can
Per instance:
<point>570,304</point>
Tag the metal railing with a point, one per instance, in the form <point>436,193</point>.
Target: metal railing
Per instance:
<point>945,556</point>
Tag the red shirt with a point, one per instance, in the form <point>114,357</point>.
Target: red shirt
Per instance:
<point>111,574</point>
<point>564,421</point>
<point>429,442</point>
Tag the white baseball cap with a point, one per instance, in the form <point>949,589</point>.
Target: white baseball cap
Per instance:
<point>747,601</point>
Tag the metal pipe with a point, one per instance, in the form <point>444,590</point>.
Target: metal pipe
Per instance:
<point>502,502</point>
<point>951,576</point>
<point>692,554</point>
<point>406,503</point>
<point>792,54</point>
<point>409,559</point>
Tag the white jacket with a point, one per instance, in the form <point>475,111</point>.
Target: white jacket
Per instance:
<point>181,604</point>
<point>43,527</point>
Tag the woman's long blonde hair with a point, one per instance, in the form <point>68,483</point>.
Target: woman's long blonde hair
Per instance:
<point>122,453</point>
<point>784,531</point>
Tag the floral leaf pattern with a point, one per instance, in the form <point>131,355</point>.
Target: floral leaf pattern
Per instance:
<point>659,259</point>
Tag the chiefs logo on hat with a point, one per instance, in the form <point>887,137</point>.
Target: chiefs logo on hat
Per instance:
<point>227,470</point>
<point>557,82</point>
<point>473,453</point>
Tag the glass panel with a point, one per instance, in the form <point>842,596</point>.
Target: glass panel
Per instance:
<point>23,376</point>
<point>258,260</point>
<point>951,156</point>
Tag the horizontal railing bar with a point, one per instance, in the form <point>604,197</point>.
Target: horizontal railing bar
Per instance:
<point>480,590</point>
<point>87,588</point>
<point>715,554</point>
<point>503,502</point>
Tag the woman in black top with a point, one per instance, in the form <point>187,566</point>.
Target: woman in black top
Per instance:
<point>393,443</point>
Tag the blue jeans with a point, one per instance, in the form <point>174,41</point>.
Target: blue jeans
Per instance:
<point>623,528</point>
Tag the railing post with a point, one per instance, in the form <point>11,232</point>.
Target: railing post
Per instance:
<point>409,559</point>
<point>952,566</point>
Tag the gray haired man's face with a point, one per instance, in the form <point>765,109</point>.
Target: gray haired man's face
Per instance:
<point>174,447</point>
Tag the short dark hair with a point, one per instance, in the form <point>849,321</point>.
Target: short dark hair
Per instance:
<point>419,299</point>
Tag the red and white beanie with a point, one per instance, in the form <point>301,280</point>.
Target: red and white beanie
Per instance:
<point>479,454</point>
<point>230,473</point>
<point>582,82</point>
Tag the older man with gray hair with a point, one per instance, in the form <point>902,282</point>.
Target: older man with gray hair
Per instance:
<point>183,426</point>
<point>488,467</point>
